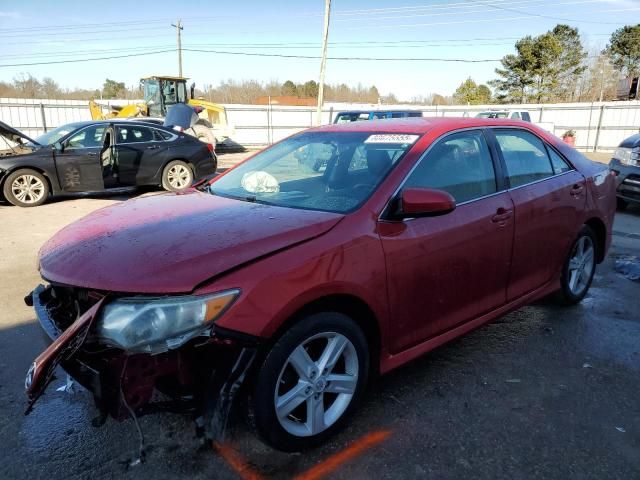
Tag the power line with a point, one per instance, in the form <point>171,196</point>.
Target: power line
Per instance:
<point>463,8</point>
<point>408,8</point>
<point>251,54</point>
<point>85,52</point>
<point>77,26</point>
<point>311,57</point>
<point>312,44</point>
<point>78,60</point>
<point>255,54</point>
<point>78,33</point>
<point>372,12</point>
<point>561,19</point>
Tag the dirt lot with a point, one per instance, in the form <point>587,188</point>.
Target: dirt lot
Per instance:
<point>544,392</point>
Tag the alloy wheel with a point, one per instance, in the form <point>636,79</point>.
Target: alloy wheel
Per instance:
<point>28,189</point>
<point>179,177</point>
<point>316,384</point>
<point>581,265</point>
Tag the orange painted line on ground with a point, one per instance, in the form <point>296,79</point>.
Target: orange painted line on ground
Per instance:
<point>333,462</point>
<point>236,462</point>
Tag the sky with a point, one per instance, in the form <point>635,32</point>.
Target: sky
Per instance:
<point>226,40</point>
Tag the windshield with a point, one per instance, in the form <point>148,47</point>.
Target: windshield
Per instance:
<point>329,171</point>
<point>151,91</point>
<point>56,134</point>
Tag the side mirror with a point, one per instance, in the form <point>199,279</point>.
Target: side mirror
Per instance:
<point>424,202</point>
<point>193,91</point>
<point>59,147</point>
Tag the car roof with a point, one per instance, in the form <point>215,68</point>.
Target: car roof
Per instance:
<point>420,125</point>
<point>351,112</point>
<point>140,122</point>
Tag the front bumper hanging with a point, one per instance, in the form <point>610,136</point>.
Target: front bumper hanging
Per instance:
<point>202,377</point>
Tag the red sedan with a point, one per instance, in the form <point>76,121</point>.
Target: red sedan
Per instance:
<point>339,253</point>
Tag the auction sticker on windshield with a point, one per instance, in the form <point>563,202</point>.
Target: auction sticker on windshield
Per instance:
<point>391,138</point>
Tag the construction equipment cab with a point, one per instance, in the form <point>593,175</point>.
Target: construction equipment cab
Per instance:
<point>160,93</point>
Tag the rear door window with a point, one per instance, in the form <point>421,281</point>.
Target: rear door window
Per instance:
<point>133,134</point>
<point>525,156</point>
<point>460,164</point>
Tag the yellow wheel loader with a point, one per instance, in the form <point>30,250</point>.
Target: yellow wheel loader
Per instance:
<point>162,92</point>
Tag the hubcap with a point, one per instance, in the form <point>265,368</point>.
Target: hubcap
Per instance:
<point>581,265</point>
<point>179,176</point>
<point>27,188</point>
<point>316,384</point>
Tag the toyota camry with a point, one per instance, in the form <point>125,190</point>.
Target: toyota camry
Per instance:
<point>292,286</point>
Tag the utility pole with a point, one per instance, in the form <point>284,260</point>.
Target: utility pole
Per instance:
<point>601,81</point>
<point>179,30</point>
<point>323,62</point>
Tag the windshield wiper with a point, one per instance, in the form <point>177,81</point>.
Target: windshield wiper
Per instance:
<point>244,198</point>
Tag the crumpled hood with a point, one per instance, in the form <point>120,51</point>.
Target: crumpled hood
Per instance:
<point>170,243</point>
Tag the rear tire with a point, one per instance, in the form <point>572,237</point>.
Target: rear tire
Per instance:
<point>177,176</point>
<point>294,380</point>
<point>578,269</point>
<point>26,188</point>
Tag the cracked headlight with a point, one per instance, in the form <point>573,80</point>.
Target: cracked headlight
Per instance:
<point>158,324</point>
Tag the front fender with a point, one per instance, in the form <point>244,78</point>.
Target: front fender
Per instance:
<point>275,288</point>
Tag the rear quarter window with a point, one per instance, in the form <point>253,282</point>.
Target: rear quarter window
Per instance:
<point>558,163</point>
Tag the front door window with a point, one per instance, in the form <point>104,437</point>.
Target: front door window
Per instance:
<point>459,164</point>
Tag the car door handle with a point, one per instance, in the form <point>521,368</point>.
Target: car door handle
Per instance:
<point>152,147</point>
<point>91,154</point>
<point>502,215</point>
<point>577,189</point>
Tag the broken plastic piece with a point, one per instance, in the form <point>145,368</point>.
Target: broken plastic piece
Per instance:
<point>217,413</point>
<point>69,386</point>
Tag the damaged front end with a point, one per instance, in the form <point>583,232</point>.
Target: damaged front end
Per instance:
<point>139,355</point>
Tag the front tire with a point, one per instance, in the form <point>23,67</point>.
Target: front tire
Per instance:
<point>176,176</point>
<point>579,268</point>
<point>310,382</point>
<point>26,188</point>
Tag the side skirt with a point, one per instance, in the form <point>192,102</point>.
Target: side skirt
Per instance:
<point>391,362</point>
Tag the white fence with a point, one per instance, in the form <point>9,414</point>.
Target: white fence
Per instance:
<point>598,126</point>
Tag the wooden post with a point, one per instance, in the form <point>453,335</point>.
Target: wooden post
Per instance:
<point>323,62</point>
<point>178,26</point>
